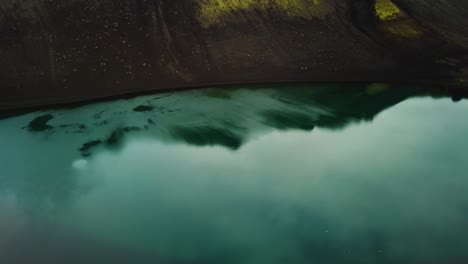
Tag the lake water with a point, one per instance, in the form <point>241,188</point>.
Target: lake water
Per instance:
<point>325,174</point>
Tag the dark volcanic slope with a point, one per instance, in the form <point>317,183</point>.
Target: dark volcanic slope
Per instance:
<point>69,50</point>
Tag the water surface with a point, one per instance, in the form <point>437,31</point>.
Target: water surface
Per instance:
<point>329,174</point>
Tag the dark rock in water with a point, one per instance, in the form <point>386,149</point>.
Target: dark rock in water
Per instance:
<point>207,136</point>
<point>118,134</point>
<point>40,123</point>
<point>72,50</point>
<point>113,141</point>
<point>143,108</point>
<point>86,147</point>
<point>77,126</point>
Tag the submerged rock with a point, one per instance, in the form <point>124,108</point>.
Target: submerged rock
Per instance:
<point>143,108</point>
<point>39,124</point>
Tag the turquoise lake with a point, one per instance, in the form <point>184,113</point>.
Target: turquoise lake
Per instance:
<point>302,174</point>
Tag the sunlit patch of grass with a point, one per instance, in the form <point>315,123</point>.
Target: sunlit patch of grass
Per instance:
<point>213,12</point>
<point>396,21</point>
<point>386,10</point>
<point>406,29</point>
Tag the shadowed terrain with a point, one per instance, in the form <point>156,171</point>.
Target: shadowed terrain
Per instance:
<point>73,50</point>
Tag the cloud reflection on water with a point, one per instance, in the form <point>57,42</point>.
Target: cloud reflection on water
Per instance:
<point>260,176</point>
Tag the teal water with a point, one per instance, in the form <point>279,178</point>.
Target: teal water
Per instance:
<point>336,174</point>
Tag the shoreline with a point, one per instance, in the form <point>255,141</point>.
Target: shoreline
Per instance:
<point>453,90</point>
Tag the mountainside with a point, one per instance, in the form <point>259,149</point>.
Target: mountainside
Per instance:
<point>71,50</point>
